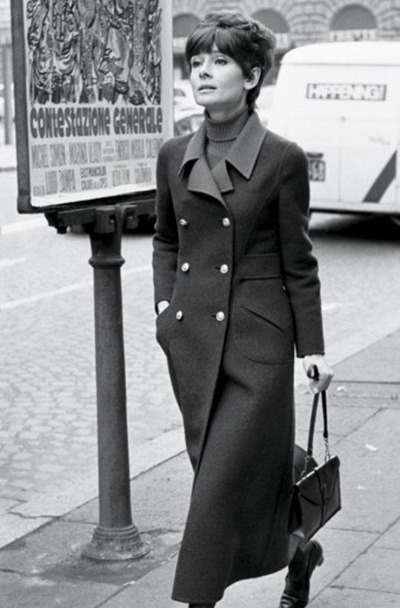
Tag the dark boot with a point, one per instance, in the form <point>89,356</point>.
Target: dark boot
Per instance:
<point>297,583</point>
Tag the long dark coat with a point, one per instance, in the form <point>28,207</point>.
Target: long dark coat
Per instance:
<point>233,257</point>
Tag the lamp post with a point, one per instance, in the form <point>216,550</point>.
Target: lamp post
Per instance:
<point>116,537</point>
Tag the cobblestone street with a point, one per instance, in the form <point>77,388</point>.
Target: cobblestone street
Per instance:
<point>48,431</point>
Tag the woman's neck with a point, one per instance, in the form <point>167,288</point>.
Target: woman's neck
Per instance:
<point>225,114</point>
<point>228,129</point>
<point>221,135</point>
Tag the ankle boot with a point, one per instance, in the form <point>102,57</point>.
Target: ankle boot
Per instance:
<point>297,583</point>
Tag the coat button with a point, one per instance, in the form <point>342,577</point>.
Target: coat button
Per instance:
<point>226,222</point>
<point>224,269</point>
<point>185,267</point>
<point>183,222</point>
<point>220,316</point>
<point>179,315</point>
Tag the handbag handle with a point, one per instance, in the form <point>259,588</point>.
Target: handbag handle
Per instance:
<point>325,434</point>
<point>312,425</point>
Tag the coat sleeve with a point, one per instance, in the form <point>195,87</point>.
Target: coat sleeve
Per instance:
<point>300,267</point>
<point>165,241</point>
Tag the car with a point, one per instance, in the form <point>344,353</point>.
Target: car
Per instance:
<point>187,120</point>
<point>187,113</point>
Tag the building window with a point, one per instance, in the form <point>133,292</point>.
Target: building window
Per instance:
<point>278,24</point>
<point>182,26</point>
<point>353,22</point>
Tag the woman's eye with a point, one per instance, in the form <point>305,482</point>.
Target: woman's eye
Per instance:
<point>221,61</point>
<point>195,63</point>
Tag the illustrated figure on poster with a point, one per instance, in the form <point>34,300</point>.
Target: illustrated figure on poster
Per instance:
<point>114,66</point>
<point>89,49</point>
<point>154,56</point>
<point>84,51</point>
<point>67,79</point>
<point>40,50</point>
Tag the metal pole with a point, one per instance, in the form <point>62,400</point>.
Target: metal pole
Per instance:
<point>116,537</point>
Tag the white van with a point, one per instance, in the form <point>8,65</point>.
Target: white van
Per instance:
<point>341,103</point>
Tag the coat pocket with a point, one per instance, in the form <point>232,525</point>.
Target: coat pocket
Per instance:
<point>262,321</point>
<point>164,328</point>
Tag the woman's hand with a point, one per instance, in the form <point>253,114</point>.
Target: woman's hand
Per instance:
<point>161,306</point>
<point>325,373</point>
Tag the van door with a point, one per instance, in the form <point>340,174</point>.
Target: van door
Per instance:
<point>368,164</point>
<point>319,135</point>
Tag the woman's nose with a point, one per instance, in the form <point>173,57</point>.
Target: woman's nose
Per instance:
<point>205,69</point>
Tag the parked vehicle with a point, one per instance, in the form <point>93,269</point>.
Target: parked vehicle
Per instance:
<point>264,103</point>
<point>187,113</point>
<point>187,120</point>
<point>341,103</point>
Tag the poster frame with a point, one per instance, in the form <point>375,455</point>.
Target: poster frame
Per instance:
<point>109,196</point>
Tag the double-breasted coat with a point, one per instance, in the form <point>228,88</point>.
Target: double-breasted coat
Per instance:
<point>233,257</point>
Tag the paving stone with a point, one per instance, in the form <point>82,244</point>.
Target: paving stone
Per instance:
<point>375,362</point>
<point>14,526</point>
<point>7,503</point>
<point>54,553</point>
<point>391,538</point>
<point>153,590</point>
<point>373,571</point>
<point>367,489</point>
<point>19,592</point>
<point>355,598</point>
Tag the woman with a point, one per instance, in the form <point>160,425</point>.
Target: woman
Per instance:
<point>236,288</point>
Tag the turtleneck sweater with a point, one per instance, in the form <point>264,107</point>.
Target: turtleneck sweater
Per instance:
<point>222,134</point>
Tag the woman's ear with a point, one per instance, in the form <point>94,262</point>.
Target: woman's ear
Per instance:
<point>253,81</point>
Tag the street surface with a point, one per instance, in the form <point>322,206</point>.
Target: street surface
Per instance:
<point>48,447</point>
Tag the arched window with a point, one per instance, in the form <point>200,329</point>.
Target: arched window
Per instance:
<point>278,24</point>
<point>353,22</point>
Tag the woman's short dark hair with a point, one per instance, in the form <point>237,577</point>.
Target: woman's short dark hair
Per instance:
<point>245,40</point>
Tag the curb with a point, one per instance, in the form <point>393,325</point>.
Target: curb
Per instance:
<point>38,222</point>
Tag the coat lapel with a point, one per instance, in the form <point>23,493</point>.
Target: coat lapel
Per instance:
<point>222,177</point>
<point>200,177</point>
<point>242,156</point>
<point>244,152</point>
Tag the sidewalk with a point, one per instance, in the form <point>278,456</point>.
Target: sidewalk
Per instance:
<point>362,543</point>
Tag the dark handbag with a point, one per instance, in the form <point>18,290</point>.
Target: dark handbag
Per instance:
<point>316,495</point>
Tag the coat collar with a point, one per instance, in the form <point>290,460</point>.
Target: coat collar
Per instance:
<point>242,156</point>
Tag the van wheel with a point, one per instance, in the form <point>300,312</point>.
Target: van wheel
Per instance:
<point>396,220</point>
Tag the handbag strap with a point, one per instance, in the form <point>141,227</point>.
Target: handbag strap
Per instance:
<point>325,434</point>
<point>310,443</point>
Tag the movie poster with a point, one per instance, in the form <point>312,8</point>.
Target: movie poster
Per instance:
<point>99,96</point>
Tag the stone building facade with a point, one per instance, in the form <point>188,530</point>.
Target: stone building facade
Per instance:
<point>296,22</point>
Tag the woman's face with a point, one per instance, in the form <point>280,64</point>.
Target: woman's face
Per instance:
<point>218,83</point>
